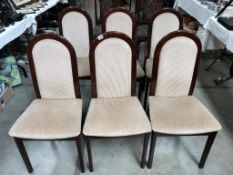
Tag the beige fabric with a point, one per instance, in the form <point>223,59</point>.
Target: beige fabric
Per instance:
<point>49,119</point>
<point>181,115</point>
<point>53,69</point>
<point>119,22</point>
<point>116,117</point>
<point>113,62</point>
<point>163,24</point>
<point>149,66</point>
<point>83,67</point>
<point>140,71</point>
<point>75,29</point>
<point>176,66</point>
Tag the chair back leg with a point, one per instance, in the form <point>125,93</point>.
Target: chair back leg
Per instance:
<point>144,152</point>
<point>22,150</point>
<point>152,149</point>
<point>209,143</point>
<point>89,154</point>
<point>80,154</point>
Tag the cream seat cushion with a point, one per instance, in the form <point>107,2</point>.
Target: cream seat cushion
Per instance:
<point>181,115</point>
<point>140,72</point>
<point>83,67</point>
<point>149,66</point>
<point>116,117</point>
<point>49,119</point>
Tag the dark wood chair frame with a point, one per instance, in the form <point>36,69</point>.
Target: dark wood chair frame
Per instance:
<point>133,88</point>
<point>134,25</point>
<point>160,12</point>
<point>89,21</point>
<point>211,135</point>
<point>19,141</point>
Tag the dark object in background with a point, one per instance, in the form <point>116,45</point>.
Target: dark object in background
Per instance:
<point>227,22</point>
<point>7,14</point>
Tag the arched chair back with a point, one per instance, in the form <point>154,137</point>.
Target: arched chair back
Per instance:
<point>53,67</point>
<point>175,65</point>
<point>75,25</point>
<point>120,20</point>
<point>164,22</point>
<point>113,66</point>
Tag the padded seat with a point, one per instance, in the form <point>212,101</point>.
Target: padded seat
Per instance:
<point>116,117</point>
<point>49,119</point>
<point>83,67</point>
<point>140,72</point>
<point>181,115</point>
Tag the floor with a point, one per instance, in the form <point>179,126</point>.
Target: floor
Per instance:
<point>120,156</point>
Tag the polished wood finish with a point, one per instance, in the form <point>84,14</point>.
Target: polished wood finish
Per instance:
<point>144,151</point>
<point>80,154</point>
<point>158,49</point>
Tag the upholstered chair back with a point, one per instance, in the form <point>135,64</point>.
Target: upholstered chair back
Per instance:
<point>113,66</point>
<point>76,26</point>
<point>163,23</point>
<point>120,20</point>
<point>53,66</point>
<point>175,65</point>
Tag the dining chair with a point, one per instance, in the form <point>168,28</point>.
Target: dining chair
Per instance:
<point>56,112</point>
<point>122,20</point>
<point>164,22</point>
<point>76,26</point>
<point>173,109</point>
<point>114,109</point>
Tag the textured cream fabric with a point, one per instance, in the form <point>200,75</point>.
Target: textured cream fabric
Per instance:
<point>49,119</point>
<point>75,29</point>
<point>53,69</point>
<point>83,67</point>
<point>149,66</point>
<point>162,25</point>
<point>119,22</point>
<point>140,71</point>
<point>176,66</point>
<point>181,115</point>
<point>113,62</point>
<point>116,117</point>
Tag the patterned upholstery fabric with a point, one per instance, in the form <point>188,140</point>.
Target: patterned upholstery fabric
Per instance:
<point>113,61</point>
<point>120,22</point>
<point>49,119</point>
<point>181,115</point>
<point>176,65</point>
<point>116,117</point>
<point>53,69</point>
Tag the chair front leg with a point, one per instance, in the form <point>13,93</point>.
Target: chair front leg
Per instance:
<point>147,83</point>
<point>80,153</point>
<point>22,150</point>
<point>88,143</point>
<point>209,143</point>
<point>144,152</point>
<point>152,149</point>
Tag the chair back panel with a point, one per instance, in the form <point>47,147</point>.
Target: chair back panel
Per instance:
<point>75,28</point>
<point>176,67</point>
<point>120,22</point>
<point>162,25</point>
<point>53,69</point>
<point>113,64</point>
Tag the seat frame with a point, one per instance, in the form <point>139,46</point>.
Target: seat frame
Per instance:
<point>133,89</point>
<point>141,80</point>
<point>89,21</point>
<point>211,135</point>
<point>19,141</point>
<point>160,12</point>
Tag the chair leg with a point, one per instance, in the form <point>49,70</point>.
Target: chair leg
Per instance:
<point>152,149</point>
<point>88,143</point>
<point>147,83</point>
<point>141,84</point>
<point>207,148</point>
<point>22,150</point>
<point>144,152</point>
<point>80,154</point>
